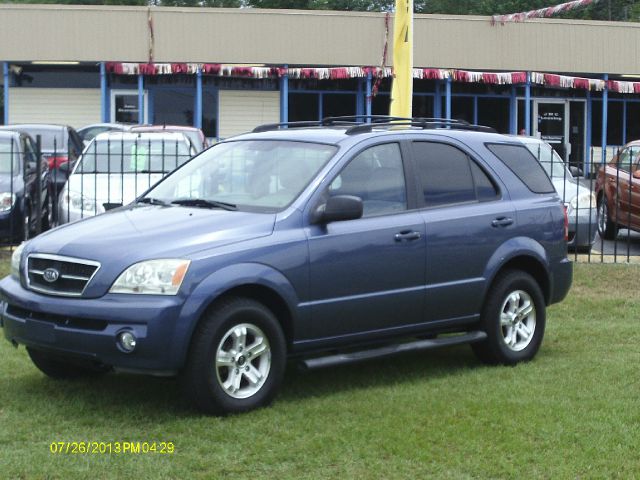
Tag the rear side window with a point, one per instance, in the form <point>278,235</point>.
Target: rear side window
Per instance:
<point>447,175</point>
<point>524,165</point>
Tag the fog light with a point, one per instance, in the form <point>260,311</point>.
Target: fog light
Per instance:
<point>127,341</point>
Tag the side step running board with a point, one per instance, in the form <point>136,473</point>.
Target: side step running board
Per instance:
<point>389,350</point>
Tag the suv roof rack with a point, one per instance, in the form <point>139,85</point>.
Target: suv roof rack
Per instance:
<point>356,123</point>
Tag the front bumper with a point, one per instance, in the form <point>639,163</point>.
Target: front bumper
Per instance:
<point>582,229</point>
<point>88,328</point>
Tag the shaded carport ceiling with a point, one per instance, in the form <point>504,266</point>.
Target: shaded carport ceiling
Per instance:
<point>293,37</point>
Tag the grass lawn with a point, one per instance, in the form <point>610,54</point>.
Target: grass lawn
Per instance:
<point>571,413</point>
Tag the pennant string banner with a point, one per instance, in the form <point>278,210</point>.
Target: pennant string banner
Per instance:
<point>345,73</point>
<point>546,12</point>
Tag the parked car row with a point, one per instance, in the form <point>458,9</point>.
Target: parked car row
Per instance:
<point>134,157</point>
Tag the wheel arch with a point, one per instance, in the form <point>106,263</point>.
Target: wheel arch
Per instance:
<point>522,254</point>
<point>254,281</point>
<point>533,267</point>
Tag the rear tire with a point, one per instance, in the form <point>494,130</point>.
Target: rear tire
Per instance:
<point>60,367</point>
<point>514,318</point>
<point>236,360</point>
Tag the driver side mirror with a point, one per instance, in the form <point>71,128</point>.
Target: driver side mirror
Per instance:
<point>339,208</point>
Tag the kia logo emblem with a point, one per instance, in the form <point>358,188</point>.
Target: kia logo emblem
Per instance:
<point>51,275</point>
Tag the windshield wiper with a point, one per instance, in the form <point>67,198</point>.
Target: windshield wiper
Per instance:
<point>152,201</point>
<point>203,203</point>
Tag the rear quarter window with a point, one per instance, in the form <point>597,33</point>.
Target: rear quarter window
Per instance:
<point>524,165</point>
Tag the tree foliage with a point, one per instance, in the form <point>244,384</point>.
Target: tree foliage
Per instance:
<point>603,10</point>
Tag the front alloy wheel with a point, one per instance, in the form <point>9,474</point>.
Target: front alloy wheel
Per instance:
<point>243,360</point>
<point>236,359</point>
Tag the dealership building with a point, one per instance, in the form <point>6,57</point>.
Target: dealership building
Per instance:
<point>574,83</point>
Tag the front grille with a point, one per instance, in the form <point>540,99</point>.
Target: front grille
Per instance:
<point>57,275</point>
<point>61,320</point>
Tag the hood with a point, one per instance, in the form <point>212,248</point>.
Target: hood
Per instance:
<point>112,188</point>
<point>568,188</point>
<point>131,234</point>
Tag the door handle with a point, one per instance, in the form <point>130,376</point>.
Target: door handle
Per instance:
<point>502,222</point>
<point>408,235</point>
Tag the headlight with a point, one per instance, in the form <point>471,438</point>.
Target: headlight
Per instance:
<point>153,277</point>
<point>81,203</point>
<point>7,199</point>
<point>584,200</point>
<point>15,261</point>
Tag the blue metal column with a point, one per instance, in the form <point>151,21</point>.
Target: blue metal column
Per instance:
<point>5,75</point>
<point>437,101</point>
<point>320,109</point>
<point>284,96</point>
<point>360,98</point>
<point>624,121</point>
<point>527,105</point>
<point>140,99</point>
<point>197,121</point>
<point>368,94</point>
<point>448,99</point>
<point>605,107</point>
<point>513,114</point>
<point>104,93</point>
<point>475,110</point>
<point>587,143</point>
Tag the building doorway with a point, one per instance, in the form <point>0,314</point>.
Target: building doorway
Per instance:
<point>562,124</point>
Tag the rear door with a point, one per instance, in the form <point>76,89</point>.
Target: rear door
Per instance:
<point>367,275</point>
<point>466,219</point>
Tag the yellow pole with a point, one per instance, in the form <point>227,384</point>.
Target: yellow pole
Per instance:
<point>402,86</point>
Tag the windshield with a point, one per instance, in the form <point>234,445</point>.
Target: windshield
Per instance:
<point>262,174</point>
<point>51,139</point>
<point>9,157</point>
<point>133,156</point>
<point>549,159</point>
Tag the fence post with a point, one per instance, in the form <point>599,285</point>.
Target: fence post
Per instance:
<point>39,185</point>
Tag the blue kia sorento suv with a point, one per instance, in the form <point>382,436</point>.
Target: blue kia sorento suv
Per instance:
<point>324,243</point>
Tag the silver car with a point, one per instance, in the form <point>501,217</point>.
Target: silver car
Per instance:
<point>117,167</point>
<point>579,201</point>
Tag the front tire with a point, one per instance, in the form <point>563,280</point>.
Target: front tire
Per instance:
<point>514,318</point>
<point>237,358</point>
<point>607,228</point>
<point>60,368</point>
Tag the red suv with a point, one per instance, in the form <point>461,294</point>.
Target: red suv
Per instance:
<point>618,192</point>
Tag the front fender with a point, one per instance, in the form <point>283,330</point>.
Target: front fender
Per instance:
<point>220,282</point>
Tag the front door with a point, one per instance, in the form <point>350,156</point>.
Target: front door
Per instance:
<point>367,275</point>
<point>551,124</point>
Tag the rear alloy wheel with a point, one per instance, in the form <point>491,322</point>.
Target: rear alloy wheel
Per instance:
<point>513,318</point>
<point>606,227</point>
<point>236,360</point>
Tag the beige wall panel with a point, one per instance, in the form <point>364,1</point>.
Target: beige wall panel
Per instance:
<point>67,106</point>
<point>268,36</point>
<point>57,32</point>
<point>241,111</point>
<point>96,33</point>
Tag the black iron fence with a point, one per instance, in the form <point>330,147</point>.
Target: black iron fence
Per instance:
<point>43,189</point>
<point>39,190</point>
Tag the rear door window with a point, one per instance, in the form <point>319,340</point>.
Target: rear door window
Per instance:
<point>524,165</point>
<point>448,176</point>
